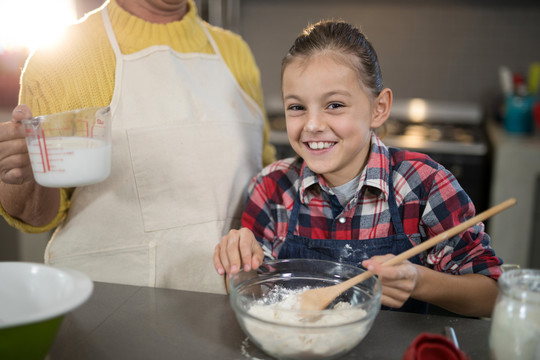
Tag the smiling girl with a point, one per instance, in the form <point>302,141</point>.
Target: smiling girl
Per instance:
<point>349,198</point>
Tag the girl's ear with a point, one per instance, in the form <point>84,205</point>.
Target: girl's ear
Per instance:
<point>381,108</point>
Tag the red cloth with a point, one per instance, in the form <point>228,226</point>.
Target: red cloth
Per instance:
<point>428,346</point>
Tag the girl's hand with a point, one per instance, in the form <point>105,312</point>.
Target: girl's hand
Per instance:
<point>398,281</point>
<point>238,249</point>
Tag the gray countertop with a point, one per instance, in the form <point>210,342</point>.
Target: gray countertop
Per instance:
<point>130,322</point>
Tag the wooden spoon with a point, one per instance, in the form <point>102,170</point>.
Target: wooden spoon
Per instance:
<point>320,298</point>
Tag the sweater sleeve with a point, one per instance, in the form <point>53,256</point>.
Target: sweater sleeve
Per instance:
<point>76,72</point>
<point>65,195</point>
<point>71,74</point>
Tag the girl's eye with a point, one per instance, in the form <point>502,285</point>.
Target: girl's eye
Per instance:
<point>295,107</point>
<point>335,105</point>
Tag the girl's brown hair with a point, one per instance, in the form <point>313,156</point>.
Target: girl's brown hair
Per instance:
<point>339,37</point>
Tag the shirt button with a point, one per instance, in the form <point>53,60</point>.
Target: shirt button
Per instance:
<point>342,220</point>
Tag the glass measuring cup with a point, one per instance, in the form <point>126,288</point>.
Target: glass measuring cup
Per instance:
<point>71,148</point>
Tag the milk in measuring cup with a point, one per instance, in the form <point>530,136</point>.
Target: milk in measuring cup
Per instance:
<point>70,161</point>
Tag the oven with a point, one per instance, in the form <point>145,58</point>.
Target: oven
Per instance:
<point>453,134</point>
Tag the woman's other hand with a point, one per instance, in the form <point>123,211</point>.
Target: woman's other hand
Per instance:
<point>15,166</point>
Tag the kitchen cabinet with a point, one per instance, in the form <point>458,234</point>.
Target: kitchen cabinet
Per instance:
<point>516,173</point>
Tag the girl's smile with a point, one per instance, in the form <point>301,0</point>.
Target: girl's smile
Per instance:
<point>319,145</point>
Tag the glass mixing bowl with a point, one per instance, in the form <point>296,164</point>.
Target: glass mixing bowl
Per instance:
<point>264,303</point>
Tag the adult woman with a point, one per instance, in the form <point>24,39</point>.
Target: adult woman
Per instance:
<point>187,136</point>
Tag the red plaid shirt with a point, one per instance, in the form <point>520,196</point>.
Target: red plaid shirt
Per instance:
<point>429,198</point>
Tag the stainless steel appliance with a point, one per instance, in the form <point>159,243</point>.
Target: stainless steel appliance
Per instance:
<point>452,133</point>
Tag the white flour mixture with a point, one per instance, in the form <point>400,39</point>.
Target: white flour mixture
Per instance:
<point>301,337</point>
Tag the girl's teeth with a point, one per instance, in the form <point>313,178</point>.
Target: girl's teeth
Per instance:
<point>319,145</point>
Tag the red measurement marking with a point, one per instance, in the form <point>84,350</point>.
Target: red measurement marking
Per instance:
<point>41,153</point>
<point>44,153</point>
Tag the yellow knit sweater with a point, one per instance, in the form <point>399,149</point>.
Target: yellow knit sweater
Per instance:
<point>79,71</point>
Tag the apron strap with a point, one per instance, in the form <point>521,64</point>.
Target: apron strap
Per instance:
<point>294,214</point>
<point>119,59</point>
<point>110,33</point>
<point>210,39</point>
<point>394,212</point>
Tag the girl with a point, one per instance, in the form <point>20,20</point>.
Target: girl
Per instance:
<point>349,198</point>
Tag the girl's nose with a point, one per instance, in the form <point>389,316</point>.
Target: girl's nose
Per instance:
<point>315,123</point>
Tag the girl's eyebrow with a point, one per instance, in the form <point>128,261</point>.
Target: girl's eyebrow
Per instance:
<point>291,97</point>
<point>327,94</point>
<point>337,92</point>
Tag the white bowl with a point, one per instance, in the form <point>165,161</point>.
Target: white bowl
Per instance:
<point>289,333</point>
<point>33,301</point>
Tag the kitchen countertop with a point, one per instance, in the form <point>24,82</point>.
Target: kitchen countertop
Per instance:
<point>131,322</point>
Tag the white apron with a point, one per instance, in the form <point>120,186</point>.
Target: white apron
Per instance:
<point>186,142</point>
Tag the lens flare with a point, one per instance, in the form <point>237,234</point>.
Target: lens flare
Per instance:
<point>28,24</point>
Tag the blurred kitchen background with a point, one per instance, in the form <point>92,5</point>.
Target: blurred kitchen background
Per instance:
<point>455,68</point>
